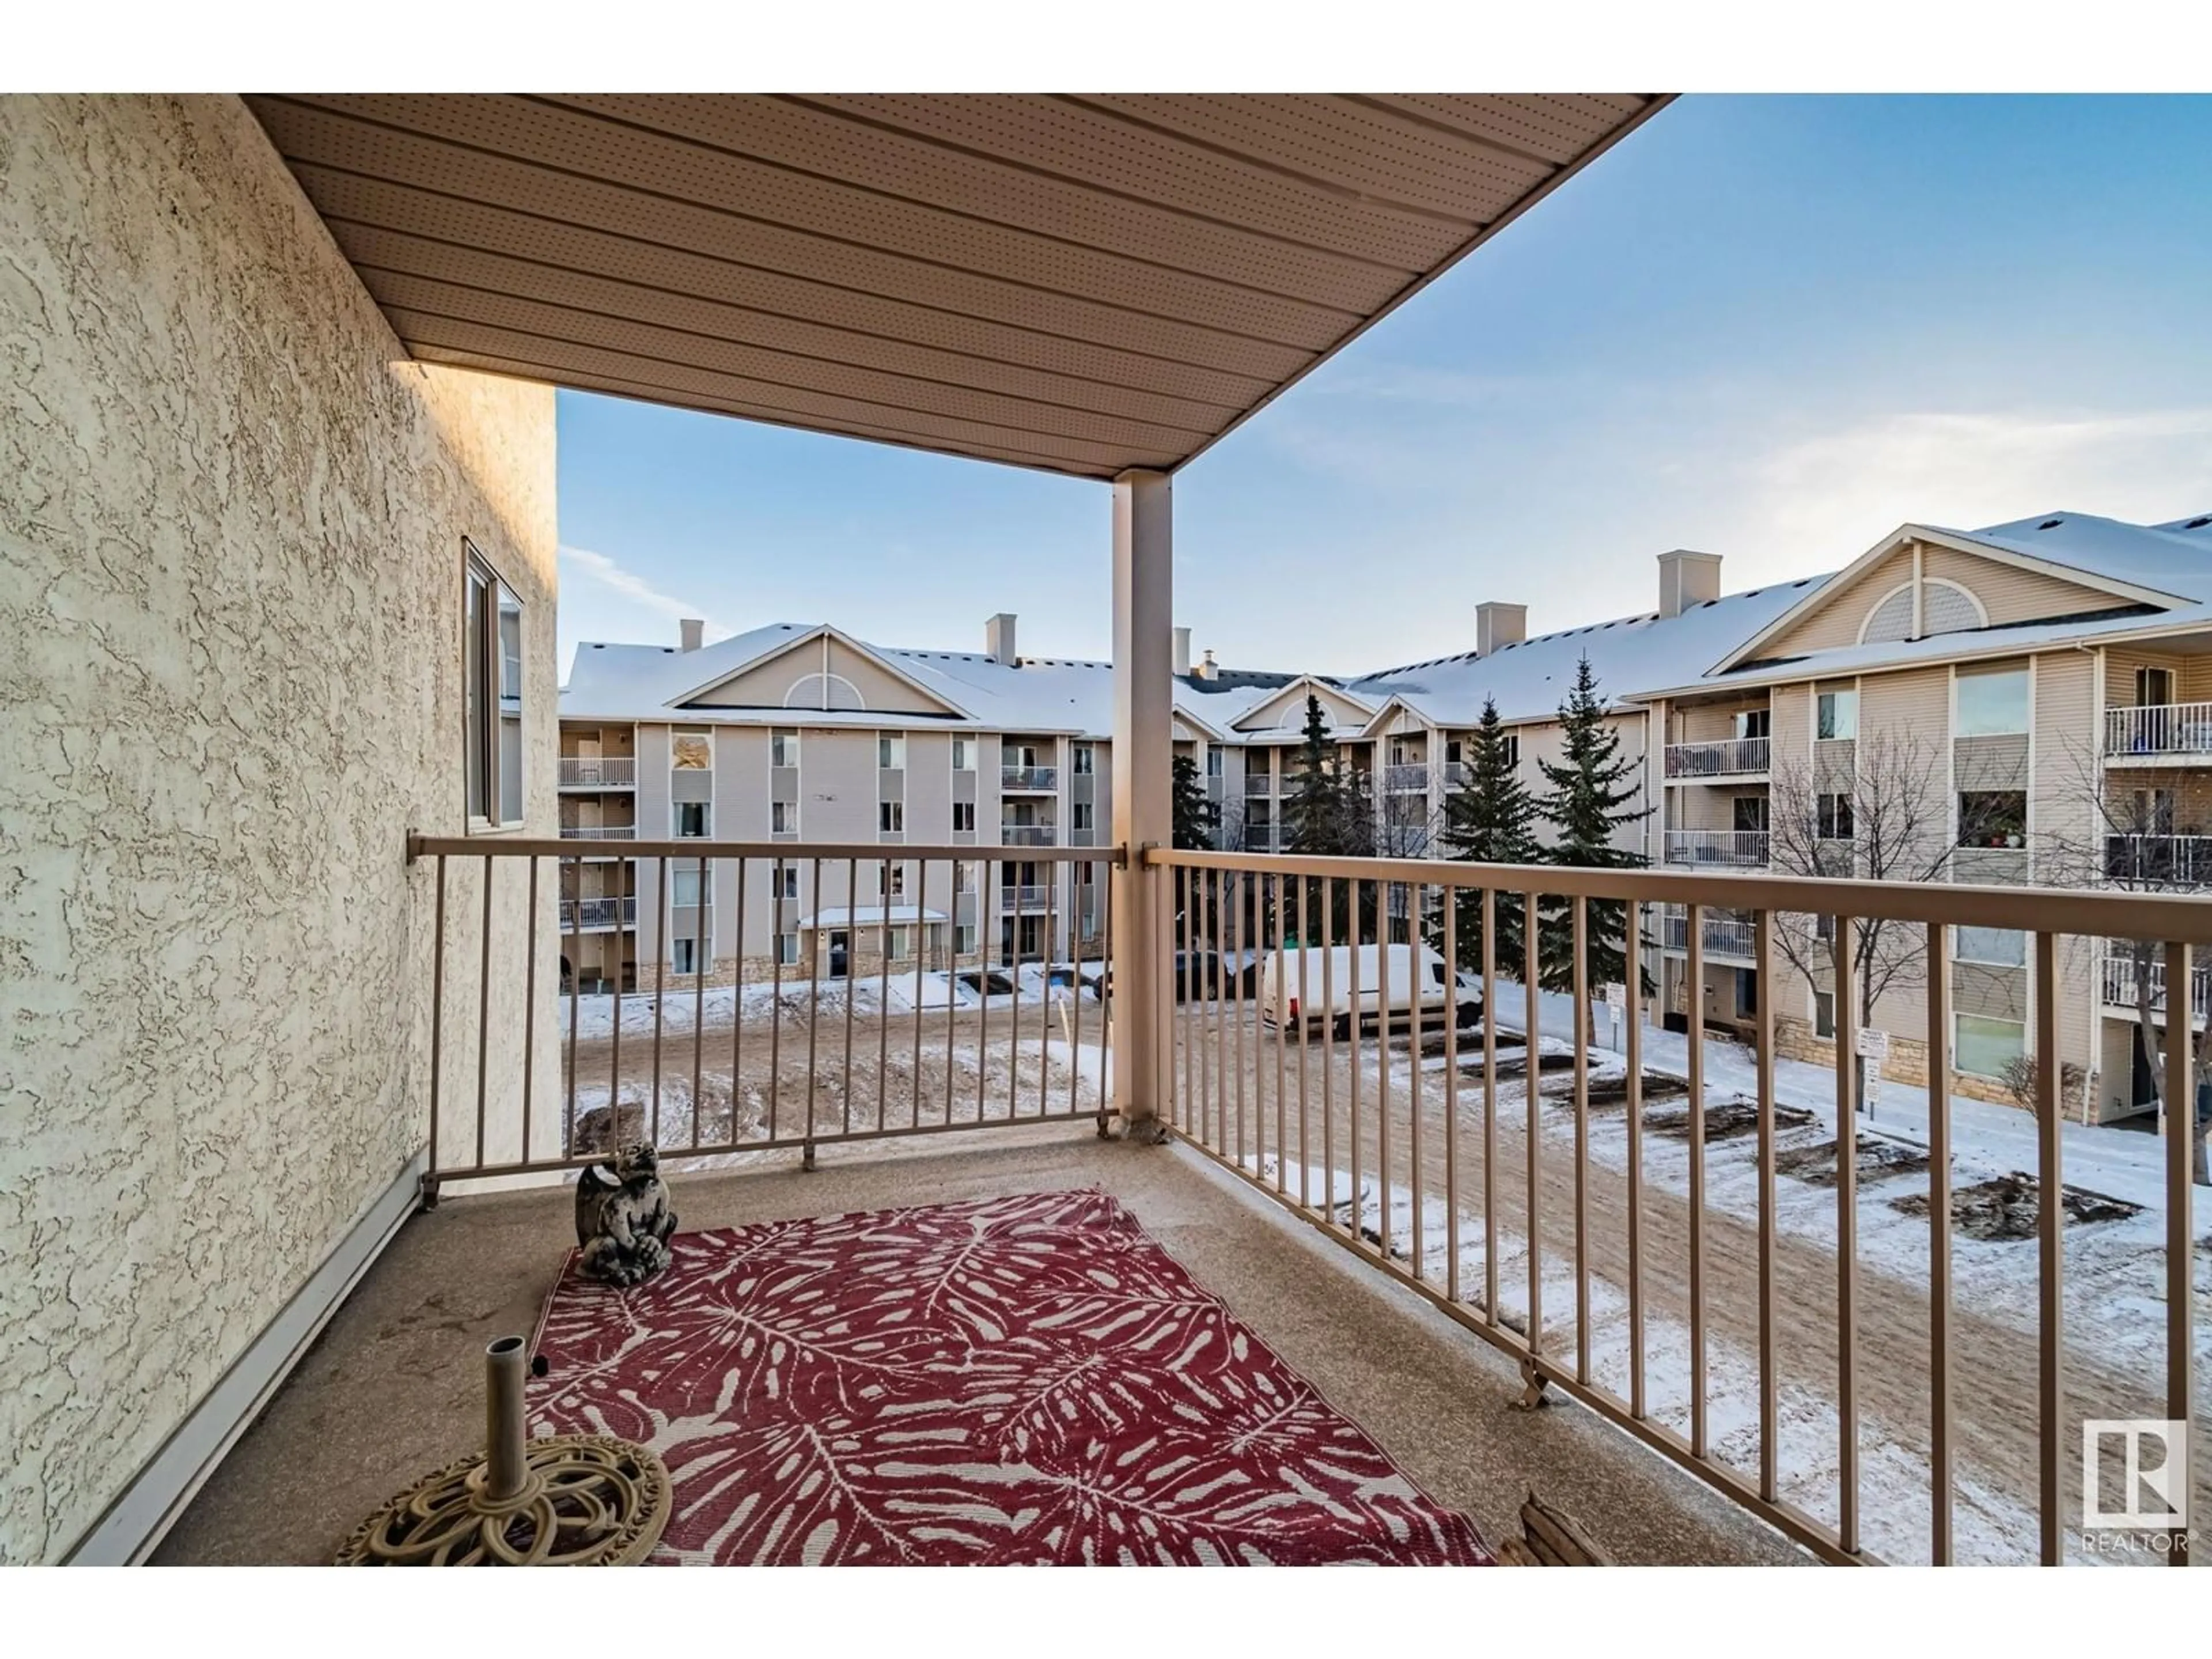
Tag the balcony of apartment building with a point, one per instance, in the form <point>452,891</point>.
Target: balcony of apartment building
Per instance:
<point>2179,860</point>
<point>2162,733</point>
<point>2129,975</point>
<point>1710,742</point>
<point>1028,769</point>
<point>1728,935</point>
<point>1379,1241</point>
<point>597,758</point>
<point>1406,766</point>
<point>610,820</point>
<point>1029,825</point>
<point>1732,849</point>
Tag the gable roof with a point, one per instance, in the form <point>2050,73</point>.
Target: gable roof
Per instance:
<point>2100,554</point>
<point>798,641</point>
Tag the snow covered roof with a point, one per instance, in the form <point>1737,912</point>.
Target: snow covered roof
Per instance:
<point>2159,577</point>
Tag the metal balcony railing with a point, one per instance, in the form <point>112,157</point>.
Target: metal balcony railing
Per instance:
<point>1732,758</point>
<point>1258,783</point>
<point>1406,778</point>
<point>1434,1163</point>
<point>1455,773</point>
<point>1025,897</point>
<point>598,772</point>
<point>1028,835</point>
<point>2175,729</point>
<point>1735,849</point>
<point>2116,981</point>
<point>1029,778</point>
<point>599,914</point>
<point>2159,860</point>
<point>1724,933</point>
<point>599,832</point>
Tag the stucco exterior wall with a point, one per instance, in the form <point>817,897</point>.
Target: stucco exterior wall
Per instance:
<point>230,573</point>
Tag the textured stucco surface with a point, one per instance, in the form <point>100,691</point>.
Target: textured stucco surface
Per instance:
<point>230,545</point>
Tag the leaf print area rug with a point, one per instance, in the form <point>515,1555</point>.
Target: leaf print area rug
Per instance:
<point>1019,1380</point>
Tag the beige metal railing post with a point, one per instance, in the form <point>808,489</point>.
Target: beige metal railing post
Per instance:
<point>2180,1147</point>
<point>1143,752</point>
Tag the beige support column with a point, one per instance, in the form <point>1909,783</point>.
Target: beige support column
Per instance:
<point>1143,642</point>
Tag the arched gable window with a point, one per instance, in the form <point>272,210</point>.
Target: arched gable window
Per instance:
<point>828,692</point>
<point>1945,608</point>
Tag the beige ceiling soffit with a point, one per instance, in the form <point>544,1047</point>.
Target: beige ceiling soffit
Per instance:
<point>1079,284</point>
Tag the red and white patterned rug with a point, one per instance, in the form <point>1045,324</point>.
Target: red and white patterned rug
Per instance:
<point>1019,1379</point>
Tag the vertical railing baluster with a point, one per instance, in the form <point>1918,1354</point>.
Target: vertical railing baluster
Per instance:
<point>1186,956</point>
<point>1634,1045</point>
<point>952,987</point>
<point>1939,1240</point>
<point>775,994</point>
<point>1531,971</point>
<point>660,986</point>
<point>614,1045</point>
<point>737,1008</point>
<point>483,1013</point>
<point>1490,1106</point>
<point>701,954</point>
<point>884,993</point>
<point>529,1007</point>
<point>1014,978</point>
<point>1847,1255</point>
<point>2180,1238</point>
<point>921,968</point>
<point>1356,1066</point>
<point>437,1014</point>
<point>983,980</point>
<point>1414,1075</point>
<point>1276,909</point>
<point>852,985</point>
<point>1328,1045</point>
<point>1585,1022</point>
<point>1234,997</point>
<point>1450,895</point>
<point>1694,968</point>
<point>1075,989</point>
<point>1769,1382</point>
<point>1382,1102</point>
<point>815,965</point>
<point>576,993</point>
<point>2050,1218</point>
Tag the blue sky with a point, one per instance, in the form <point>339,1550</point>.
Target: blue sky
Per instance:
<point>1769,328</point>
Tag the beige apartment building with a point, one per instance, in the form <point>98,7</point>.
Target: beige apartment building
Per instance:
<point>2025,704</point>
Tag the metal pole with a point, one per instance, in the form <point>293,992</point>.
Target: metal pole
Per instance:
<point>1143,755</point>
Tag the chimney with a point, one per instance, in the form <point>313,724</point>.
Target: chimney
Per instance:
<point>1498,624</point>
<point>1688,580</point>
<point>1182,653</point>
<point>695,632</point>
<point>998,638</point>
<point>1207,669</point>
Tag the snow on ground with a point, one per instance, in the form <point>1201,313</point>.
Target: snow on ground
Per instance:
<point>714,1006</point>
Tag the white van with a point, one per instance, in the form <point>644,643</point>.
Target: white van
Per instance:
<point>1316,987</point>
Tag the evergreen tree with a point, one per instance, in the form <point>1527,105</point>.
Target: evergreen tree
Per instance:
<point>1312,812</point>
<point>1195,816</point>
<point>1587,803</point>
<point>1491,819</point>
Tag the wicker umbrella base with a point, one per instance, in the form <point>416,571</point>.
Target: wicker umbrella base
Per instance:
<point>586,1500</point>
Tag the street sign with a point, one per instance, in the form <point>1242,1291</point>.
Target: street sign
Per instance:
<point>1874,1046</point>
<point>1616,998</point>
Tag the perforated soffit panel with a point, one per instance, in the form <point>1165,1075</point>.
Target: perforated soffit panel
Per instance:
<point>1080,284</point>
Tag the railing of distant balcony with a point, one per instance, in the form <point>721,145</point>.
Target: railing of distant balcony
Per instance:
<point>1431,1174</point>
<point>599,914</point>
<point>1730,757</point>
<point>1026,897</point>
<point>599,832</point>
<point>1739,849</point>
<point>2170,728</point>
<point>858,1039</point>
<point>1028,835</point>
<point>2117,971</point>
<point>1404,778</point>
<point>1029,777</point>
<point>1725,933</point>
<point>2160,860</point>
<point>598,772</point>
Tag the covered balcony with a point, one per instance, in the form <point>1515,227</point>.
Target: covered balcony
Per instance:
<point>2162,734</point>
<point>1734,849</point>
<point>1728,757</point>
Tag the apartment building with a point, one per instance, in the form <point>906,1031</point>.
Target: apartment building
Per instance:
<point>2027,703</point>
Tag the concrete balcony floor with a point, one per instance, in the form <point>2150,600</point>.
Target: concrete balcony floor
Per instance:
<point>394,1386</point>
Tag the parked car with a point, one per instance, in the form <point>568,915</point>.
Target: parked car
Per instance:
<point>1316,988</point>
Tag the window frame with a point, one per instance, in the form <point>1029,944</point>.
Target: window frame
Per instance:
<point>1826,706</point>
<point>1958,1018</point>
<point>891,752</point>
<point>483,663</point>
<point>890,818</point>
<point>706,812</point>
<point>1962,679</point>
<point>778,737</point>
<point>957,827</point>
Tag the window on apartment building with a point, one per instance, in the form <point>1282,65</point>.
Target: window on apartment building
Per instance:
<point>1455,751</point>
<point>891,816</point>
<point>783,817</point>
<point>683,954</point>
<point>1992,702</point>
<point>784,883</point>
<point>1837,715</point>
<point>891,752</point>
<point>901,943</point>
<point>963,939</point>
<point>1083,810</point>
<point>1213,760</point>
<point>1083,761</point>
<point>964,817</point>
<point>1754,722</point>
<point>895,881</point>
<point>1990,947</point>
<point>2154,687</point>
<point>691,751</point>
<point>692,819</point>
<point>964,877</point>
<point>963,754</point>
<point>685,886</point>
<point>787,948</point>
<point>1992,817</point>
<point>1835,820</point>
<point>1748,813</point>
<point>1512,741</point>
<point>783,747</point>
<point>1824,1013</point>
<point>1983,1047</point>
<point>491,670</point>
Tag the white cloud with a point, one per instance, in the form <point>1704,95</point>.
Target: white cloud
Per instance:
<point>581,563</point>
<point>1820,501</point>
